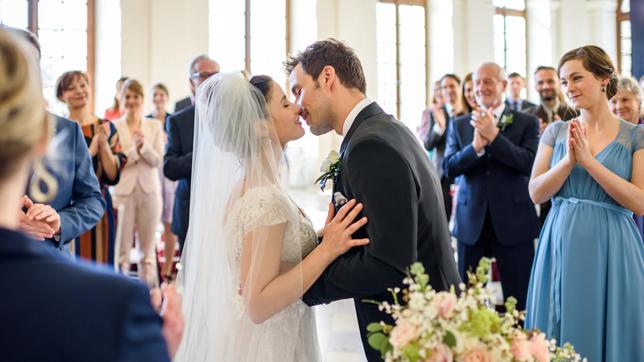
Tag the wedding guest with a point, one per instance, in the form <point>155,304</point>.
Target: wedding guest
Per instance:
<point>116,110</point>
<point>516,84</point>
<point>54,309</point>
<point>627,101</point>
<point>587,279</point>
<point>469,101</point>
<point>553,107</point>
<point>138,191</point>
<point>77,203</point>
<point>491,152</point>
<point>177,161</point>
<point>627,104</point>
<point>101,137</point>
<point>160,96</point>
<point>440,121</point>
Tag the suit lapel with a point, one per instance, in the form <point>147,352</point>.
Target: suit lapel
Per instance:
<point>368,111</point>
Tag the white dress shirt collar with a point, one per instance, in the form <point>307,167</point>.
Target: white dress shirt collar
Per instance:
<point>351,117</point>
<point>498,113</point>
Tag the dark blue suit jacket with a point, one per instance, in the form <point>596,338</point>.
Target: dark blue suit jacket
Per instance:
<point>78,200</point>
<point>55,309</point>
<point>177,165</point>
<point>497,181</point>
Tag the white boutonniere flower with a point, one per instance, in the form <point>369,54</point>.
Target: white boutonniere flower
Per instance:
<point>330,168</point>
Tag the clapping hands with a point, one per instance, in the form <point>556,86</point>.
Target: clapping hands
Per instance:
<point>139,139</point>
<point>485,130</point>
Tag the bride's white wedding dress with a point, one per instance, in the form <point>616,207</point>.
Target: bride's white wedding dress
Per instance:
<point>289,335</point>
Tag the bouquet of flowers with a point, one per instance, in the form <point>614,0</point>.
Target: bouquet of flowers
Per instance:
<point>442,326</point>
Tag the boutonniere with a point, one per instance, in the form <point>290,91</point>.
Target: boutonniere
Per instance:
<point>505,121</point>
<point>330,168</point>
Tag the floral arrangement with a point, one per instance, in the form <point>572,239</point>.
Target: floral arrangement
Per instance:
<point>443,326</point>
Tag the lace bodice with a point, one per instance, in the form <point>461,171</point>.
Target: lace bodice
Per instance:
<point>266,206</point>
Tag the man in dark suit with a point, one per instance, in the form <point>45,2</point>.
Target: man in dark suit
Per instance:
<point>553,107</point>
<point>182,104</point>
<point>440,122</point>
<point>514,102</point>
<point>385,168</point>
<point>491,151</point>
<point>177,161</point>
<point>56,310</point>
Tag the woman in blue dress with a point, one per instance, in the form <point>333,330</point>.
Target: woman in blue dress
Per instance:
<point>588,274</point>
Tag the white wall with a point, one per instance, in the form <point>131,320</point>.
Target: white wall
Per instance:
<point>159,39</point>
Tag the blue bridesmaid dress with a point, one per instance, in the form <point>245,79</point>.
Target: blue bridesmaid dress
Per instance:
<point>587,279</point>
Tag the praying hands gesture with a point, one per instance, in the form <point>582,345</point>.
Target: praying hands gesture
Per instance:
<point>138,139</point>
<point>578,144</point>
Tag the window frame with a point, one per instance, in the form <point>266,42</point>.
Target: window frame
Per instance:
<point>621,17</point>
<point>32,14</point>
<point>248,32</point>
<point>423,4</point>
<point>505,12</point>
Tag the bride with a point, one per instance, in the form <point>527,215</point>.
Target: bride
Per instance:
<point>251,251</point>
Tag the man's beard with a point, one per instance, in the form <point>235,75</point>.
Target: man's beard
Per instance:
<point>548,96</point>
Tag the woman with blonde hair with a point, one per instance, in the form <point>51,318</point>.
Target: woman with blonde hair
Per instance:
<point>139,191</point>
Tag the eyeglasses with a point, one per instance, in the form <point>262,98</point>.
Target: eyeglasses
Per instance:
<point>202,76</point>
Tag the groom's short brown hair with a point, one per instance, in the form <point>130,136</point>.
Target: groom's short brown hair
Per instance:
<point>334,53</point>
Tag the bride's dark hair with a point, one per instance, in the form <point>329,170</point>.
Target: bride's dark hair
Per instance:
<point>263,83</point>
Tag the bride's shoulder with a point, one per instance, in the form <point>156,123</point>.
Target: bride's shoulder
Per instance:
<point>263,204</point>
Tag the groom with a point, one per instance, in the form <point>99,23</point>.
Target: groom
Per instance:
<point>384,167</point>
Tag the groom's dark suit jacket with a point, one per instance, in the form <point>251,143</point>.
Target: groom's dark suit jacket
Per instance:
<point>385,167</point>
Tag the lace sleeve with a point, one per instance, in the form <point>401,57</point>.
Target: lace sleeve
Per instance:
<point>263,206</point>
<point>638,138</point>
<point>549,136</point>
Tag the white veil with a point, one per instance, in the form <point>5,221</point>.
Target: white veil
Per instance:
<point>235,150</point>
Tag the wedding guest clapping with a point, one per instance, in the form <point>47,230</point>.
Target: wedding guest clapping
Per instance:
<point>101,137</point>
<point>138,191</point>
<point>491,152</point>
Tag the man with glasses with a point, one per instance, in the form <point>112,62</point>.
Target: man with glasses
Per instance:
<point>177,161</point>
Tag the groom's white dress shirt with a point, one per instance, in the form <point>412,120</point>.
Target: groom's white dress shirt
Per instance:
<point>351,117</point>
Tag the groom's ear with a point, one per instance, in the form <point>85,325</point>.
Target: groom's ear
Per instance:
<point>327,77</point>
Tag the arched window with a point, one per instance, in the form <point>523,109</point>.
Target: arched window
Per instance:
<point>623,14</point>
<point>510,35</point>
<point>65,29</point>
<point>250,35</point>
<point>402,58</point>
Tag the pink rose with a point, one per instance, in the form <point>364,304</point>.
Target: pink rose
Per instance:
<point>403,333</point>
<point>477,354</point>
<point>444,302</point>
<point>539,347</point>
<point>520,348</point>
<point>442,353</point>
